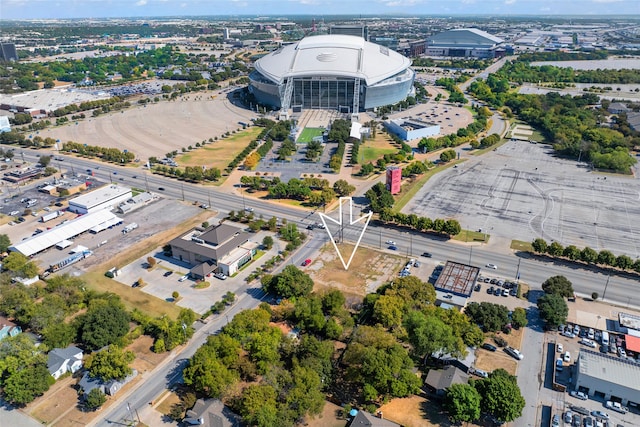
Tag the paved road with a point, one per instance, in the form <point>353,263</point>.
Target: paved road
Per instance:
<point>533,270</point>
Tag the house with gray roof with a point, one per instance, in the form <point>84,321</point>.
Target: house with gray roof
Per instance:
<point>365,419</point>
<point>220,248</point>
<point>63,360</point>
<point>439,380</point>
<point>211,413</point>
<point>111,387</point>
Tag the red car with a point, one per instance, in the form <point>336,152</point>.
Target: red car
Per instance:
<point>306,262</point>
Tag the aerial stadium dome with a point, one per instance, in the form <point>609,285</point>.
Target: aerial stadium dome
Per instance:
<point>325,72</point>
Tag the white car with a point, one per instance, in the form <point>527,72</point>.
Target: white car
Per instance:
<point>559,348</point>
<point>616,406</point>
<point>183,278</point>
<point>390,243</point>
<point>493,266</point>
<point>567,357</point>
<point>220,276</point>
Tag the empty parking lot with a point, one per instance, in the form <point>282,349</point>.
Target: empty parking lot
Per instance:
<point>522,191</point>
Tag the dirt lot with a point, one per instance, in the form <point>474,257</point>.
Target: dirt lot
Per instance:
<point>414,411</point>
<point>490,361</point>
<point>329,417</point>
<point>146,360</point>
<point>60,398</point>
<point>368,270</point>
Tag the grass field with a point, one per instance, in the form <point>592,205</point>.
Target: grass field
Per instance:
<point>471,236</point>
<point>308,134</point>
<point>373,149</point>
<point>219,153</point>
<point>519,245</point>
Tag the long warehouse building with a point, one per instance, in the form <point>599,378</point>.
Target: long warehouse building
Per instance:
<point>107,197</point>
<point>62,232</point>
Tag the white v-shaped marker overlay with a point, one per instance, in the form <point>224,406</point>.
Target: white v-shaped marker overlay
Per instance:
<point>366,218</point>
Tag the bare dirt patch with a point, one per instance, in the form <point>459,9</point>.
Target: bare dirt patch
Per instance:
<point>369,269</point>
<point>490,361</point>
<point>414,411</point>
<point>59,399</point>
<point>146,360</point>
<point>167,401</point>
<point>329,417</point>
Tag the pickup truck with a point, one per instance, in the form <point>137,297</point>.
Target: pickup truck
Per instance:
<point>616,406</point>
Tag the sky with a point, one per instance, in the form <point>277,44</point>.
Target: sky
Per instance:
<point>56,9</point>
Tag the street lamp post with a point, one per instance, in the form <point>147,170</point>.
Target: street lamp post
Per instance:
<point>605,286</point>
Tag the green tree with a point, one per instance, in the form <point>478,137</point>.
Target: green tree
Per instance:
<point>379,197</point>
<point>388,310</point>
<point>559,285</point>
<point>594,296</point>
<point>588,255</point>
<point>59,334</point>
<point>553,309</point>
<point>555,249</point>
<point>105,323</point>
<point>259,406</point>
<point>500,396</point>
<point>489,316</point>
<point>429,335</point>
<point>207,373</point>
<point>605,257</point>
<point>572,252</point>
<point>25,385</point>
<point>519,318</point>
<point>94,399</point>
<point>624,262</point>
<point>539,246</point>
<point>462,402</point>
<point>267,242</point>
<point>292,282</point>
<point>5,242</point>
<point>111,363</point>
<point>44,161</point>
<point>343,188</point>
<point>20,265</point>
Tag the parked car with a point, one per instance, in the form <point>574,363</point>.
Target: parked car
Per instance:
<point>183,278</point>
<point>568,334</point>
<point>220,276</point>
<point>248,209</point>
<point>577,421</point>
<point>168,273</point>
<point>514,352</point>
<point>489,347</point>
<point>477,288</point>
<point>600,414</point>
<point>478,372</point>
<point>505,293</point>
<point>588,342</point>
<point>567,357</point>
<point>555,421</point>
<point>588,422</point>
<point>568,416</point>
<point>616,406</point>
<point>490,290</point>
<point>621,352</point>
<point>559,348</point>
<point>579,395</point>
<point>497,292</point>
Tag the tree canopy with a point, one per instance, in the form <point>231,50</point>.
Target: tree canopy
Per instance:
<point>489,316</point>
<point>111,363</point>
<point>553,309</point>
<point>462,402</point>
<point>104,323</point>
<point>558,285</point>
<point>292,282</point>
<point>500,395</point>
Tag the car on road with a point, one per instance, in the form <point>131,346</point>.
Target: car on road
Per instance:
<point>161,188</point>
<point>493,266</point>
<point>489,347</point>
<point>306,262</point>
<point>427,254</point>
<point>390,243</point>
<point>168,273</point>
<point>248,209</point>
<point>600,414</point>
<point>220,276</point>
<point>579,395</point>
<point>393,247</point>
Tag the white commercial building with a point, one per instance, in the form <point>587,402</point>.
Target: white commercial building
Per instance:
<point>410,129</point>
<point>106,197</point>
<point>608,377</point>
<point>58,235</point>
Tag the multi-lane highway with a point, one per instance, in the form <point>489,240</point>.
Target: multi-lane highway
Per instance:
<point>532,270</point>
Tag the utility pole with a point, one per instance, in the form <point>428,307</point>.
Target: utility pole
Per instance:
<point>518,270</point>
<point>182,187</point>
<point>605,286</point>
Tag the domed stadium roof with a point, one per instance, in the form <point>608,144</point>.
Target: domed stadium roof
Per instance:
<point>332,56</point>
<point>464,37</point>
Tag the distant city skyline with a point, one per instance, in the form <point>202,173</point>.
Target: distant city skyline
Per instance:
<point>65,9</point>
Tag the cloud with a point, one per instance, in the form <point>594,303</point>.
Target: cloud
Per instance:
<point>509,1</point>
<point>141,2</point>
<point>606,1</point>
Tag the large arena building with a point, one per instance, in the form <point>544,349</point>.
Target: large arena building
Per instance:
<point>464,43</point>
<point>336,72</point>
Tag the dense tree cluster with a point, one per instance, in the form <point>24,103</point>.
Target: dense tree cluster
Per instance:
<point>568,121</point>
<point>487,141</point>
<point>558,285</point>
<point>559,55</point>
<point>111,363</point>
<point>292,282</point>
<point>379,197</point>
<point>450,227</point>
<point>553,310</point>
<point>500,395</point>
<point>167,333</point>
<point>586,255</point>
<point>489,316</point>
<point>105,322</point>
<point>463,135</point>
<point>455,95</point>
<point>520,71</point>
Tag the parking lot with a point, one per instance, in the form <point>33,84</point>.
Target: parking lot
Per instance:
<point>168,274</point>
<point>522,191</point>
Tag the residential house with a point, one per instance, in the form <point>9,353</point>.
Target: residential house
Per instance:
<point>617,108</point>
<point>439,380</point>
<point>63,360</point>
<point>8,328</point>
<point>211,413</point>
<point>88,383</point>
<point>365,419</point>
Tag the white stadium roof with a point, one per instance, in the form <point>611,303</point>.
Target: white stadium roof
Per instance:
<point>332,56</point>
<point>65,231</point>
<point>464,37</point>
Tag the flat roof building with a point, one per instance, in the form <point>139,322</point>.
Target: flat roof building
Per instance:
<point>106,197</point>
<point>608,377</point>
<point>455,284</point>
<point>463,43</point>
<point>409,129</point>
